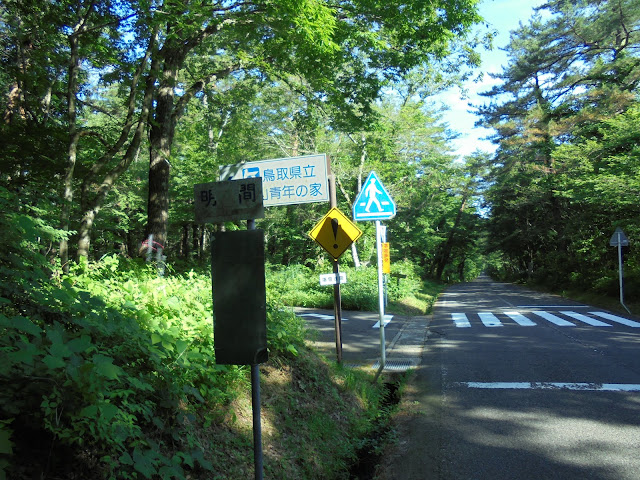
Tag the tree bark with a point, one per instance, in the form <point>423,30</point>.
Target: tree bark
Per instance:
<point>67,195</point>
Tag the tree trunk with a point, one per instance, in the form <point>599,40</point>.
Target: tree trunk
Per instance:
<point>202,240</point>
<point>67,195</point>
<point>196,238</point>
<point>84,232</point>
<point>160,141</point>
<point>184,249</point>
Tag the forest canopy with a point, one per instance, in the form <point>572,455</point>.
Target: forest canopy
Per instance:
<point>114,110</point>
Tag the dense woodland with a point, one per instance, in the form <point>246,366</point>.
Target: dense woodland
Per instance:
<point>113,109</point>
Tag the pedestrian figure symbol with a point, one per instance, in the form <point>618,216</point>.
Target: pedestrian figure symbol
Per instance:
<point>373,202</point>
<point>372,193</point>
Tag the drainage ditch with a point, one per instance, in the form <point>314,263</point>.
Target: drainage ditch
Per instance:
<point>370,453</point>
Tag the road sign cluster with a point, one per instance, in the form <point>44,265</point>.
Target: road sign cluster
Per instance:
<point>238,274</point>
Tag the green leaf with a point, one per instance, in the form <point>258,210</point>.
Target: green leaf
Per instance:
<point>105,367</point>
<point>81,344</point>
<point>108,411</point>
<point>126,459</point>
<point>156,338</point>
<point>90,411</point>
<point>53,362</point>
<point>23,324</point>
<point>173,302</point>
<point>143,463</point>
<point>199,456</point>
<point>181,346</point>
<point>6,445</point>
<point>25,354</point>
<point>60,350</point>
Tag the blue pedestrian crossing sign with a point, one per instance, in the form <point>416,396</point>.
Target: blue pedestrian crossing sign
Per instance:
<point>373,202</point>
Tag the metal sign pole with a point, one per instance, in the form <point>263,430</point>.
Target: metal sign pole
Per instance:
<point>255,405</point>
<point>337,310</point>
<point>257,426</point>
<point>619,239</point>
<point>337,297</point>
<point>620,271</point>
<point>380,294</point>
<point>620,268</point>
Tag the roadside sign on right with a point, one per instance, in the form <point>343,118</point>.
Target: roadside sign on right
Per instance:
<point>619,238</point>
<point>373,202</point>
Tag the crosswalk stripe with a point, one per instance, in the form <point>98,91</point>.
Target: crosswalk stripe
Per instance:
<point>489,319</point>
<point>320,316</point>
<point>591,387</point>
<point>387,319</point>
<point>554,319</point>
<point>520,319</point>
<point>585,319</point>
<point>615,318</point>
<point>461,320</point>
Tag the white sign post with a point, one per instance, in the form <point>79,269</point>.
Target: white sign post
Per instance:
<point>375,203</point>
<point>620,240</point>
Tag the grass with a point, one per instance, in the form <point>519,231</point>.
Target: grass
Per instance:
<point>602,301</point>
<point>406,295</point>
<point>417,303</point>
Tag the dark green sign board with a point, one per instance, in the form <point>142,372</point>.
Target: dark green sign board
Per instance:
<point>239,297</point>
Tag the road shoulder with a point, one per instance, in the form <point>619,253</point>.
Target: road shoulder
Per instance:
<point>415,454</point>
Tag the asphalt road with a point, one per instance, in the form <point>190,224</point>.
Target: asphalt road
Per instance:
<point>361,340</point>
<point>516,384</point>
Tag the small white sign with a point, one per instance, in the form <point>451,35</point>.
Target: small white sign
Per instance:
<point>330,278</point>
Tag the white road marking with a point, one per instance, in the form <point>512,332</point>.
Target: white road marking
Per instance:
<point>585,319</point>
<point>554,319</point>
<point>489,319</point>
<point>461,320</point>
<point>387,319</point>
<point>591,387</point>
<point>553,306</point>
<point>320,316</point>
<point>615,318</point>
<point>520,319</point>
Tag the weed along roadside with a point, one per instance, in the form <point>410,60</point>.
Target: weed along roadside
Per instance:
<point>172,412</point>
<point>382,433</point>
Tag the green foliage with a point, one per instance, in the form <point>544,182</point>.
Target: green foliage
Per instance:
<point>298,285</point>
<point>110,372</point>
<point>111,360</point>
<point>566,172</point>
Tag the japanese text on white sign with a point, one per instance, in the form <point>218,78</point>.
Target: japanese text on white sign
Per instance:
<point>286,181</point>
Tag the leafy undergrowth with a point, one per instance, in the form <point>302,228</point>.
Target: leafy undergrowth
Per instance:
<point>407,293</point>
<point>109,373</point>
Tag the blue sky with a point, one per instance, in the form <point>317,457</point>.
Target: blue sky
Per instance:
<point>503,16</point>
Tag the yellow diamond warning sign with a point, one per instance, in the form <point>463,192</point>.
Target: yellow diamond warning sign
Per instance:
<point>335,232</point>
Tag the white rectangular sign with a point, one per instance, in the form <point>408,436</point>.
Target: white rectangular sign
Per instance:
<point>228,201</point>
<point>286,181</point>
<point>330,278</point>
